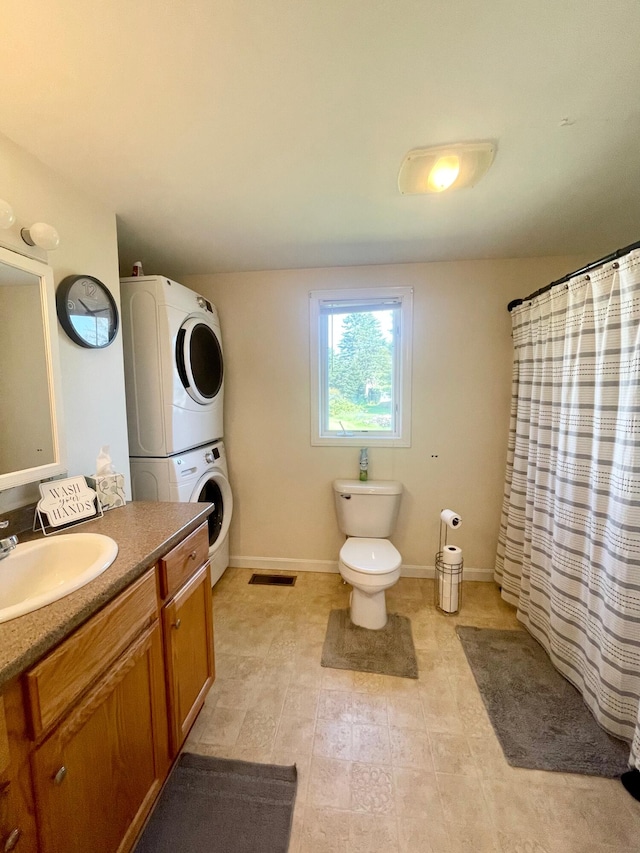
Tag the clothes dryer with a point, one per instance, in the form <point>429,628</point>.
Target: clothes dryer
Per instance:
<point>174,367</point>
<point>199,475</point>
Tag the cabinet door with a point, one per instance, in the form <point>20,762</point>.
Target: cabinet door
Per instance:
<point>188,630</point>
<point>12,835</point>
<point>97,775</point>
<point>17,821</point>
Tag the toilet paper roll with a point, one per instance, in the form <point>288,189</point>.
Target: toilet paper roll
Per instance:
<point>451,518</point>
<point>449,586</point>
<point>451,555</point>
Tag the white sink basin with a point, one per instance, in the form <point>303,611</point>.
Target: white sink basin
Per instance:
<point>37,573</point>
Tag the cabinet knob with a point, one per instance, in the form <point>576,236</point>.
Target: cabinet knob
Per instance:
<point>12,840</point>
<point>59,776</point>
<point>177,624</point>
<point>193,555</point>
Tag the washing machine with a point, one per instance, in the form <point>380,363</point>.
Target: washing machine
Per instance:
<point>174,367</point>
<point>194,476</point>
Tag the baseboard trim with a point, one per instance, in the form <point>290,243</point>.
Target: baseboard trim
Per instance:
<point>283,564</point>
<point>288,564</point>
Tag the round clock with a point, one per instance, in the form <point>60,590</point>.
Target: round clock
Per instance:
<point>87,311</point>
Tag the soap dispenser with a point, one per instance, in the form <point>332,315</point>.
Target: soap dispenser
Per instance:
<point>364,463</point>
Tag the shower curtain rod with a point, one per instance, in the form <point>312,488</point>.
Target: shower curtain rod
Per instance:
<point>619,253</point>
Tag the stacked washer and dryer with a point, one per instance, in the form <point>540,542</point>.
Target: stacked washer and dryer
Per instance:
<point>174,375</point>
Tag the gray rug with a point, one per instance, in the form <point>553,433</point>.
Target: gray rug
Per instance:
<point>389,651</point>
<point>539,717</point>
<point>212,804</point>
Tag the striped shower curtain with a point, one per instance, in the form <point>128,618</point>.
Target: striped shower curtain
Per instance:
<point>569,547</point>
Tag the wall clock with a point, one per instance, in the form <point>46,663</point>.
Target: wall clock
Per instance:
<point>87,311</point>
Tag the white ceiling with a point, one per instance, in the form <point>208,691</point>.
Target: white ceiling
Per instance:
<point>257,134</point>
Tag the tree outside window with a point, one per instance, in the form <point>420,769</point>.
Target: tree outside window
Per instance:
<point>360,371</point>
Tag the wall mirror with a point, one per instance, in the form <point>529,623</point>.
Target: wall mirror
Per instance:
<point>31,422</point>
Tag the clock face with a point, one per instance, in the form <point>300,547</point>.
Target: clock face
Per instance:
<point>87,311</point>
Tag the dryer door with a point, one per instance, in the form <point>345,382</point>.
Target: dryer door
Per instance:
<point>214,488</point>
<point>199,360</point>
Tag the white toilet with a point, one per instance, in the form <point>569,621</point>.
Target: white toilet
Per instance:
<point>367,512</point>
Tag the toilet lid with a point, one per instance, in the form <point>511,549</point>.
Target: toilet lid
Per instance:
<point>374,556</point>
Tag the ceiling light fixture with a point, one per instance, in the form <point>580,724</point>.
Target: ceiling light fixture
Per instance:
<point>434,170</point>
<point>42,235</point>
<point>7,216</point>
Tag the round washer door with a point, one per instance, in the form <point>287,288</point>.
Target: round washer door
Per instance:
<point>214,488</point>
<point>199,360</point>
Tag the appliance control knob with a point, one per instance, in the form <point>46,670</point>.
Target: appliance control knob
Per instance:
<point>201,302</point>
<point>208,457</point>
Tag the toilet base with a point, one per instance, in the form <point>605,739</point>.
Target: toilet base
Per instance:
<point>368,610</point>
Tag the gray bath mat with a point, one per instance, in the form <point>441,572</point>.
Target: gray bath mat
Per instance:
<point>388,651</point>
<point>539,717</point>
<point>212,804</point>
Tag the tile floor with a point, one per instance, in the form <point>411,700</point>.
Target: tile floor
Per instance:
<point>389,764</point>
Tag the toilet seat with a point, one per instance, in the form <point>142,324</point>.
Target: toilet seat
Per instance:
<point>370,556</point>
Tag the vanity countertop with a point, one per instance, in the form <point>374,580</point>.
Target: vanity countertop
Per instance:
<point>144,532</point>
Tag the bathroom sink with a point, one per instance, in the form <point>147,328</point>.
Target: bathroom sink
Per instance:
<point>39,572</point>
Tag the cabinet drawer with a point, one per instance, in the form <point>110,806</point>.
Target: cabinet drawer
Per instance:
<point>180,563</point>
<point>59,679</point>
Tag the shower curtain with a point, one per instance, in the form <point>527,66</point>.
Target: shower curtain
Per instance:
<point>569,546</point>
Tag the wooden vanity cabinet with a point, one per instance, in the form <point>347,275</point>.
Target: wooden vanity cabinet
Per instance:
<point>88,734</point>
<point>187,621</point>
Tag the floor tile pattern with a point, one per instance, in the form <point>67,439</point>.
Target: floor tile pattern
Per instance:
<point>389,764</point>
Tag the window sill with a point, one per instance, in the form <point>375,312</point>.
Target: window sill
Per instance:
<point>359,441</point>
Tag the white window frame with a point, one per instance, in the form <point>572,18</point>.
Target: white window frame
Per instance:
<point>401,435</point>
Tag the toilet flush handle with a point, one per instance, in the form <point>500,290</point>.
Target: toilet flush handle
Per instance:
<point>346,497</point>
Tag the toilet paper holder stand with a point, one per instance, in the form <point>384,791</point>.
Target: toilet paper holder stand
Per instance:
<point>448,578</point>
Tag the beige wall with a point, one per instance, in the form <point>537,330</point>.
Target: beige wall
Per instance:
<point>461,393</point>
<point>92,380</point>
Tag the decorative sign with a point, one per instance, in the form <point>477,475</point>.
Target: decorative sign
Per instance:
<point>66,501</point>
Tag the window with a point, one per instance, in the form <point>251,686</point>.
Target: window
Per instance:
<point>361,366</point>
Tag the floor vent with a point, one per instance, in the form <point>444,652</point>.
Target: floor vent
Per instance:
<point>274,580</point>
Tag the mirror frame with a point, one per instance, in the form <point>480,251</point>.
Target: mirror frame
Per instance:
<point>50,328</point>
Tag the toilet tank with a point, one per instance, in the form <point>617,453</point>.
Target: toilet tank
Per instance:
<point>367,509</point>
